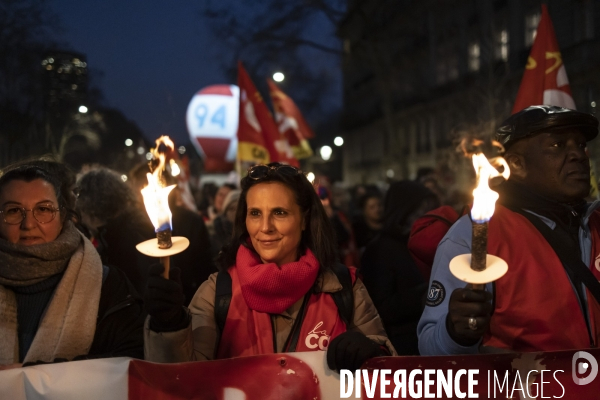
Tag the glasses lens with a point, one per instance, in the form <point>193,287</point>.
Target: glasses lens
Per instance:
<point>12,215</point>
<point>287,170</point>
<point>258,171</point>
<point>44,213</point>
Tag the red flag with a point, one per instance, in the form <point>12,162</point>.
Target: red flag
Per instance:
<point>291,123</point>
<point>545,79</point>
<point>259,140</point>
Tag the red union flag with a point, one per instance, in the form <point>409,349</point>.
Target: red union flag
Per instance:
<point>259,140</point>
<point>291,123</point>
<point>545,79</point>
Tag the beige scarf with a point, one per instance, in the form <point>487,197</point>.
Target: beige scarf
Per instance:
<point>68,324</point>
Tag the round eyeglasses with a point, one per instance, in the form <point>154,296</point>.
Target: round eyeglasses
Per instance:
<point>43,213</point>
<point>261,171</point>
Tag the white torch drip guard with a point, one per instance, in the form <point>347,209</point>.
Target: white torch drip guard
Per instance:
<point>150,247</point>
<point>460,266</point>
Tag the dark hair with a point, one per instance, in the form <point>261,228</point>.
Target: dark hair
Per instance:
<point>57,174</point>
<point>229,185</point>
<point>362,201</point>
<point>104,195</point>
<point>318,235</point>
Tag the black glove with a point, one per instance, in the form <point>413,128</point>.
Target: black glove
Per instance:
<point>164,300</point>
<point>350,350</point>
<point>468,304</point>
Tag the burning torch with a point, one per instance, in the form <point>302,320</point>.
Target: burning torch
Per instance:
<point>479,268</point>
<point>156,200</point>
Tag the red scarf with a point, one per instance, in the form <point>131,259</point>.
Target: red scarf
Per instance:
<point>271,289</point>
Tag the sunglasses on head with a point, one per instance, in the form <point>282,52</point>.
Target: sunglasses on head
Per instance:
<point>262,171</point>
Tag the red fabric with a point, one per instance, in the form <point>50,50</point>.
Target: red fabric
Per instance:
<point>248,332</point>
<point>256,126</point>
<point>425,235</point>
<point>290,121</point>
<point>545,79</point>
<point>269,288</point>
<point>268,377</point>
<point>536,308</point>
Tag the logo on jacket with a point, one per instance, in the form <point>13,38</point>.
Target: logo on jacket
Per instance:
<point>597,262</point>
<point>317,338</point>
<point>436,294</point>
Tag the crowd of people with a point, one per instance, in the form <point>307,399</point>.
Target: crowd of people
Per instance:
<point>279,264</point>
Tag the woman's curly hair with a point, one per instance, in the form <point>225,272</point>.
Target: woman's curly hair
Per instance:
<point>104,195</point>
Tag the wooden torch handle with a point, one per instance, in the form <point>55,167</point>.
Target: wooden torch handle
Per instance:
<point>166,262</point>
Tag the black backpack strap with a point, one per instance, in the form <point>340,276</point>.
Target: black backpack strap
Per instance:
<point>344,299</point>
<point>222,298</point>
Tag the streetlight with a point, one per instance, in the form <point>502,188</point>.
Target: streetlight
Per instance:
<point>326,152</point>
<point>83,109</point>
<point>278,77</point>
<point>338,141</point>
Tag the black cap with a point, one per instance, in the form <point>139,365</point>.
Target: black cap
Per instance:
<point>537,119</point>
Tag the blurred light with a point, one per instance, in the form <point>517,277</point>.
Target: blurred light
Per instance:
<point>51,60</point>
<point>311,177</point>
<point>148,156</point>
<point>278,77</point>
<point>181,149</point>
<point>141,150</point>
<point>174,168</point>
<point>338,141</point>
<point>83,109</point>
<point>124,178</point>
<point>593,104</point>
<point>326,152</point>
<point>73,87</point>
<point>128,142</point>
<point>390,173</point>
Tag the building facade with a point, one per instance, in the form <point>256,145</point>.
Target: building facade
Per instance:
<point>419,75</point>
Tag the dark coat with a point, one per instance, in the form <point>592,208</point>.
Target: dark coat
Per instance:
<point>195,263</point>
<point>119,330</point>
<point>117,240</point>
<point>389,273</point>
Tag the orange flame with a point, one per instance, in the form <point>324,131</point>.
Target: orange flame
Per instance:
<point>484,198</point>
<point>156,195</point>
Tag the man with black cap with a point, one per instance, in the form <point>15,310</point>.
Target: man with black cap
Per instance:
<point>546,232</point>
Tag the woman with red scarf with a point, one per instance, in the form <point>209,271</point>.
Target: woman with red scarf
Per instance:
<point>281,262</point>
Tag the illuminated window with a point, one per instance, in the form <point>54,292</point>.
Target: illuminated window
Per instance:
<point>531,23</point>
<point>474,56</point>
<point>501,47</point>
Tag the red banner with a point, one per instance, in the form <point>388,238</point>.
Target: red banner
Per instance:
<point>259,140</point>
<point>564,374</point>
<point>291,123</point>
<point>545,79</point>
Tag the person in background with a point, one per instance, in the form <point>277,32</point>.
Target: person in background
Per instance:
<point>205,198</point>
<point>59,302</point>
<point>112,214</point>
<point>342,228</point>
<point>281,264</point>
<point>370,222</point>
<point>223,224</point>
<point>390,275</point>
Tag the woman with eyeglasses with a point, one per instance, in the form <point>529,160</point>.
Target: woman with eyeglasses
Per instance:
<point>280,287</point>
<point>57,301</point>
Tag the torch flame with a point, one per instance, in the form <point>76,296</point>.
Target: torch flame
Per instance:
<point>484,198</point>
<point>156,195</point>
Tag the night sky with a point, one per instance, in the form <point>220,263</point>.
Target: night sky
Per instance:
<point>154,56</point>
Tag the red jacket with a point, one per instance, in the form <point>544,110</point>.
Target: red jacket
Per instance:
<point>536,307</point>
